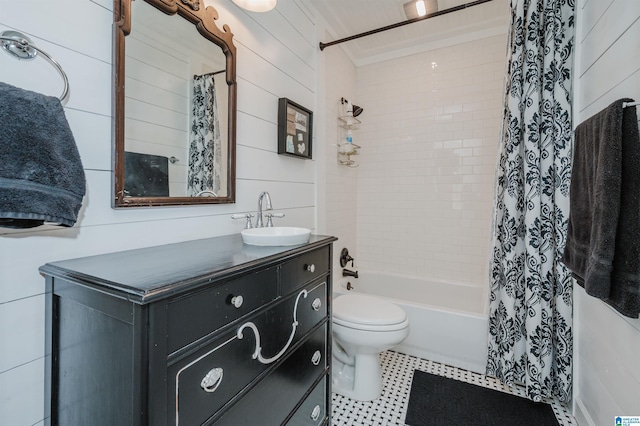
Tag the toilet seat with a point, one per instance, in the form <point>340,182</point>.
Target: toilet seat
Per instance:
<point>373,328</point>
<point>363,312</point>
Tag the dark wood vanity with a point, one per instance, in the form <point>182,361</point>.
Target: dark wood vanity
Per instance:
<point>203,332</point>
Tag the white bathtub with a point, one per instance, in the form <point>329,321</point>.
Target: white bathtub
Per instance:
<point>448,321</point>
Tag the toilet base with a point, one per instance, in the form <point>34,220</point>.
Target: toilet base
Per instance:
<point>365,373</point>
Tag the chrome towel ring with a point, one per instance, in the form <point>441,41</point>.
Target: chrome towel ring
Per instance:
<point>20,46</point>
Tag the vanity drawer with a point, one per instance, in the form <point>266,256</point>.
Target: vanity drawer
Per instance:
<point>271,400</point>
<point>313,411</point>
<point>302,269</point>
<point>204,382</point>
<point>199,314</point>
<point>230,359</point>
<point>276,328</point>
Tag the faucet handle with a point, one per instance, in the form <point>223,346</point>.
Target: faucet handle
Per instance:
<point>345,258</point>
<point>247,216</point>
<point>270,216</point>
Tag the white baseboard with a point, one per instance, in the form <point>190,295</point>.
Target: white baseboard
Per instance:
<point>581,414</point>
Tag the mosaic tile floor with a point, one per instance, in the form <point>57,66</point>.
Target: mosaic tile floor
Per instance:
<point>397,373</point>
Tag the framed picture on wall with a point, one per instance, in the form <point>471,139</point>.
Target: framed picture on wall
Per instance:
<point>295,124</point>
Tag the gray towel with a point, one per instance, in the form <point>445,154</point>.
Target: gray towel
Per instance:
<point>41,176</point>
<point>603,243</point>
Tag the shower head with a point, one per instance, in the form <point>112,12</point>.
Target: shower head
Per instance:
<point>351,110</point>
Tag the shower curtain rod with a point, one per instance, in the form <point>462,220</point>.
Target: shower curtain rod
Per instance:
<point>209,73</point>
<point>400,24</point>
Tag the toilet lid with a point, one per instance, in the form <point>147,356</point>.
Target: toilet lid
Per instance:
<point>366,310</point>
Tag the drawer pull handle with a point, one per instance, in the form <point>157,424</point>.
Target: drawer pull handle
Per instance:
<point>315,414</point>
<point>311,268</point>
<point>315,359</point>
<point>257,354</point>
<point>317,304</point>
<point>212,380</point>
<point>237,301</point>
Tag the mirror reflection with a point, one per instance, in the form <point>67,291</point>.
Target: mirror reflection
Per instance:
<point>178,119</point>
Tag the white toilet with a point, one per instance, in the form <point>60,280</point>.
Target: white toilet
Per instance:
<point>363,326</point>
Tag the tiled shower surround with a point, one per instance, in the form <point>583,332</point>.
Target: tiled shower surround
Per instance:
<point>429,136</point>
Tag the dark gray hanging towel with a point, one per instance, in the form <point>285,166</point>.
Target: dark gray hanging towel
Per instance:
<point>41,176</point>
<point>603,238</point>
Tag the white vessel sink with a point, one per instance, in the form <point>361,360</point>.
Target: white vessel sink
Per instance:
<point>276,236</point>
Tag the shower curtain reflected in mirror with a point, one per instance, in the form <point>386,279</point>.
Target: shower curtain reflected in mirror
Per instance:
<point>205,146</point>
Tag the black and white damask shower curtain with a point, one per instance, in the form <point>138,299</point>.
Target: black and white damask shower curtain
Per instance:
<point>205,147</point>
<point>530,318</point>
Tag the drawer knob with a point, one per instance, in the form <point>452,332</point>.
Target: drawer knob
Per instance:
<point>237,301</point>
<point>311,268</point>
<point>315,359</point>
<point>316,304</point>
<point>212,380</point>
<point>315,414</point>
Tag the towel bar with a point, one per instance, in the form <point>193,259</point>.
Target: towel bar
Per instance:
<point>629,104</point>
<point>20,46</point>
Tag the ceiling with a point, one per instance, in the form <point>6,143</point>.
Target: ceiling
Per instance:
<point>346,18</point>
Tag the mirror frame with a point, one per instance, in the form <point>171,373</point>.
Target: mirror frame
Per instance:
<point>204,20</point>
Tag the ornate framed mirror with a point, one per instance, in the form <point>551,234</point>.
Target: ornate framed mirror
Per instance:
<point>175,104</point>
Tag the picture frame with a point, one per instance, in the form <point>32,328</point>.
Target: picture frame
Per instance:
<point>295,126</point>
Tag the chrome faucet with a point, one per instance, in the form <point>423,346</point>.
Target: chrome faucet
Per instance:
<point>265,195</point>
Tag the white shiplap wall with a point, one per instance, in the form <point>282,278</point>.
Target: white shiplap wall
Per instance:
<point>606,344</point>
<point>276,58</point>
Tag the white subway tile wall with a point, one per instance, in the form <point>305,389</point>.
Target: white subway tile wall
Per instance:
<point>429,137</point>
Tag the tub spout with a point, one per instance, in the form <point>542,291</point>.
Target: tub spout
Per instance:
<point>349,273</point>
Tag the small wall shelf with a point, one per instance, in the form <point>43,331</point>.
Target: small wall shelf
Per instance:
<point>349,122</point>
<point>346,123</point>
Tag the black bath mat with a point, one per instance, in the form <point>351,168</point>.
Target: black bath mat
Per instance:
<point>436,400</point>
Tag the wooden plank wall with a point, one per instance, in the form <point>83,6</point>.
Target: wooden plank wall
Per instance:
<point>607,344</point>
<point>276,58</point>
